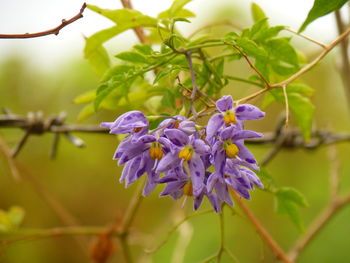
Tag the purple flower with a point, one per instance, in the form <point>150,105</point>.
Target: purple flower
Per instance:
<point>185,151</point>
<point>229,115</point>
<point>231,146</point>
<point>179,122</point>
<point>240,179</point>
<point>132,122</point>
<point>178,183</point>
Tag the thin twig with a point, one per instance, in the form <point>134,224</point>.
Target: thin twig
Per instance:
<point>295,76</point>
<point>287,105</point>
<point>279,253</point>
<point>267,84</point>
<point>334,206</point>
<point>30,234</point>
<point>127,221</point>
<point>306,37</point>
<point>345,63</point>
<point>222,236</point>
<point>53,31</point>
<point>320,222</point>
<point>194,83</point>
<point>174,228</point>
<point>138,30</point>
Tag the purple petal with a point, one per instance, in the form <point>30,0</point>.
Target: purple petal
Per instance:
<point>213,178</point>
<point>177,137</point>
<point>223,193</point>
<point>229,132</point>
<point>215,202</point>
<point>146,139</point>
<point>127,122</point>
<point>244,153</point>
<point>248,112</point>
<point>166,143</point>
<point>125,171</point>
<point>169,161</point>
<point>225,103</point>
<point>245,134</point>
<point>214,124</point>
<point>200,146</point>
<point>253,177</point>
<point>151,183</point>
<point>132,151</point>
<point>198,201</point>
<point>219,160</point>
<point>197,174</point>
<point>134,166</point>
<point>188,127</point>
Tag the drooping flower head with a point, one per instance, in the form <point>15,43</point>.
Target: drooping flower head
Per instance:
<point>230,115</point>
<point>177,155</point>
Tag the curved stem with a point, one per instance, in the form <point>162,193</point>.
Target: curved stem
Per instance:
<point>280,254</point>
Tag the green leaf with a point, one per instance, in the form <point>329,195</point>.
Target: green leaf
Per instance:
<point>280,49</point>
<point>168,99</point>
<point>300,105</point>
<point>257,12</point>
<point>267,180</point>
<point>321,8</point>
<point>251,48</point>
<point>144,49</point>
<point>300,88</point>
<point>99,60</point>
<point>258,27</point>
<point>86,112</point>
<point>125,19</point>
<point>16,215</point>
<point>133,57</point>
<point>176,10</point>
<point>268,33</point>
<point>303,110</point>
<point>161,74</point>
<point>287,202</point>
<point>86,97</point>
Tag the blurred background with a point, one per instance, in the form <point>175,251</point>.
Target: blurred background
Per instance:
<point>47,73</point>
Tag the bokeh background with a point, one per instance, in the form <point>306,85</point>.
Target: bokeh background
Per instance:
<point>47,73</point>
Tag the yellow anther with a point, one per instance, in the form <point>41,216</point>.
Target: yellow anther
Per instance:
<point>229,117</point>
<point>188,189</point>
<point>176,124</point>
<point>137,129</point>
<point>156,152</point>
<point>231,150</point>
<point>186,153</point>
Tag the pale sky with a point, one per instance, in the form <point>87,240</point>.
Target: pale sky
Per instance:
<point>18,16</point>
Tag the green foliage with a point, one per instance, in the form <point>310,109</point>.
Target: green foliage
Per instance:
<point>11,219</point>
<point>158,69</point>
<point>299,104</point>
<point>257,12</point>
<point>321,8</point>
<point>287,202</point>
<point>125,19</point>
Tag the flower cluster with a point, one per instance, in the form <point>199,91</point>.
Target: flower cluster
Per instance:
<point>189,159</point>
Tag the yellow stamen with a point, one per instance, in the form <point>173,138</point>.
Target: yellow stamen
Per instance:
<point>231,149</point>
<point>156,152</point>
<point>229,117</point>
<point>188,189</point>
<point>186,153</point>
